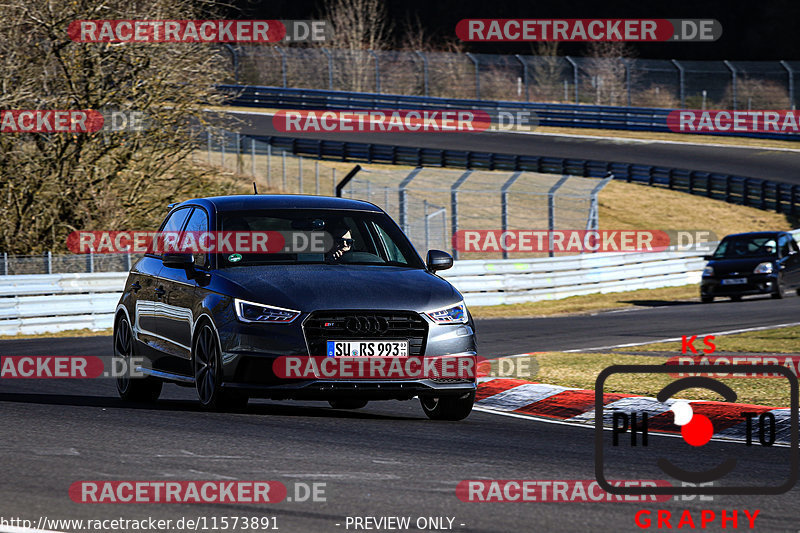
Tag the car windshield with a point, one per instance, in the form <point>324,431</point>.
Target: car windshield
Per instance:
<point>352,237</point>
<point>746,246</point>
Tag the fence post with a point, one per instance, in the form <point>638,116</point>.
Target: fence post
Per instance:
<point>269,164</point>
<point>733,81</point>
<point>790,72</point>
<point>5,262</point>
<point>627,63</point>
<point>253,156</point>
<point>330,68</point>
<point>477,76</point>
<point>283,161</point>
<point>574,75</point>
<point>504,204</point>
<point>377,71</point>
<point>424,70</point>
<point>551,213</point>
<point>525,75</point>
<point>208,135</point>
<point>91,261</point>
<point>454,206</point>
<point>333,177</point>
<point>49,262</point>
<point>300,173</point>
<point>425,217</point>
<point>222,148</point>
<point>283,64</point>
<point>316,177</point>
<point>681,81</point>
<point>403,204</point>
<point>238,153</point>
<point>128,260</point>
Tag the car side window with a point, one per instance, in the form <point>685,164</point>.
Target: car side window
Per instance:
<point>197,224</point>
<point>175,221</point>
<point>784,245</point>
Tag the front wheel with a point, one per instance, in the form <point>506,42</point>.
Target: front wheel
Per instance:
<point>706,299</point>
<point>448,407</point>
<point>208,374</point>
<point>778,293</point>
<point>132,389</point>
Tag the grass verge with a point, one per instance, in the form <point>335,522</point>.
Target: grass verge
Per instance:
<point>589,303</point>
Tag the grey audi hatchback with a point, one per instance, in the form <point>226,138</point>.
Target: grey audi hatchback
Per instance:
<point>217,321</point>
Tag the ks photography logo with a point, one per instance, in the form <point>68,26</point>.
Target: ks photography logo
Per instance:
<point>699,464</point>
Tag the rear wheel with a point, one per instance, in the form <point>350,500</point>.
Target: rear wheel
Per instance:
<point>132,389</point>
<point>448,407</point>
<point>706,299</point>
<point>348,404</point>
<point>208,374</point>
<point>736,298</point>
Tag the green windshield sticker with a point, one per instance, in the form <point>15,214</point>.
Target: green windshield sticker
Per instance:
<point>235,258</point>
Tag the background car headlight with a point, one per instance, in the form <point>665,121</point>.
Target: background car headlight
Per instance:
<point>708,271</point>
<point>456,314</point>
<point>763,268</point>
<point>255,312</point>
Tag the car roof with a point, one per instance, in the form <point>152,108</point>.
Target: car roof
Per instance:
<point>279,201</point>
<point>756,234</point>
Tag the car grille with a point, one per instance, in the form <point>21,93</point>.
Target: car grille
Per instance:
<point>322,326</point>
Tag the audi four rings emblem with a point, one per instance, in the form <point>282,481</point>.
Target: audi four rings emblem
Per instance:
<point>366,324</point>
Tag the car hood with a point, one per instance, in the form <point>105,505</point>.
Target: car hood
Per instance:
<point>742,266</point>
<point>312,287</point>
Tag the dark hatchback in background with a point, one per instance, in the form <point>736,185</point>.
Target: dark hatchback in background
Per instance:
<point>752,263</point>
<point>216,321</point>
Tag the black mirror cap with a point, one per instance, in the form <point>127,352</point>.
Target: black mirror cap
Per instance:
<point>708,257</point>
<point>439,260</point>
<point>177,260</point>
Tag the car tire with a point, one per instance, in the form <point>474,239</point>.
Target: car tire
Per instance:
<point>348,403</point>
<point>736,298</point>
<point>706,299</point>
<point>146,389</point>
<point>447,407</point>
<point>207,365</point>
<point>778,292</point>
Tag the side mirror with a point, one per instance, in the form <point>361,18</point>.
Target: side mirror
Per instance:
<point>438,260</point>
<point>708,257</point>
<point>176,260</point>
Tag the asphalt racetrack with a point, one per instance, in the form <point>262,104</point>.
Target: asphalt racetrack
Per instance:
<point>384,460</point>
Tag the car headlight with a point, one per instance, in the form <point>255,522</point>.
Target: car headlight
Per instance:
<point>763,268</point>
<point>255,312</point>
<point>708,271</point>
<point>454,314</point>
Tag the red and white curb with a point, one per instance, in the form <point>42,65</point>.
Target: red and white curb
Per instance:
<point>576,406</point>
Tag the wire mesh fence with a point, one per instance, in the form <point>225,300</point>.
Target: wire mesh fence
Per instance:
<point>556,79</point>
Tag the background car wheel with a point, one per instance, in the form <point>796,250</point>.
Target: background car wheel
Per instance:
<point>706,299</point>
<point>348,404</point>
<point>447,407</point>
<point>132,389</point>
<point>208,374</point>
<point>736,298</point>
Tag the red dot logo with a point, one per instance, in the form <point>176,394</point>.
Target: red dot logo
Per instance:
<point>696,430</point>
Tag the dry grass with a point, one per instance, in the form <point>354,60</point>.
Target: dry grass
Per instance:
<point>580,370</point>
<point>589,303</point>
<point>779,340</point>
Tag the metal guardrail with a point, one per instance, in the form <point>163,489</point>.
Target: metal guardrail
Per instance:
<point>556,115</point>
<point>755,192</point>
<point>31,304</point>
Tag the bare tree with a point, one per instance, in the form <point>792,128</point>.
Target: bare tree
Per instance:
<point>548,72</point>
<point>605,71</point>
<point>54,183</point>
<point>358,27</point>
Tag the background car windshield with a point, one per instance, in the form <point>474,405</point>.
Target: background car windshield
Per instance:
<point>361,238</point>
<point>741,247</point>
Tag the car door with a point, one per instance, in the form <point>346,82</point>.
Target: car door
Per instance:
<point>790,260</point>
<point>175,316</point>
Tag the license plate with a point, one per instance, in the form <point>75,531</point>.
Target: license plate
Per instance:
<point>734,281</point>
<point>358,348</point>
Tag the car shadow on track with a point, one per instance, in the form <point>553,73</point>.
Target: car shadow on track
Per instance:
<point>262,409</point>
